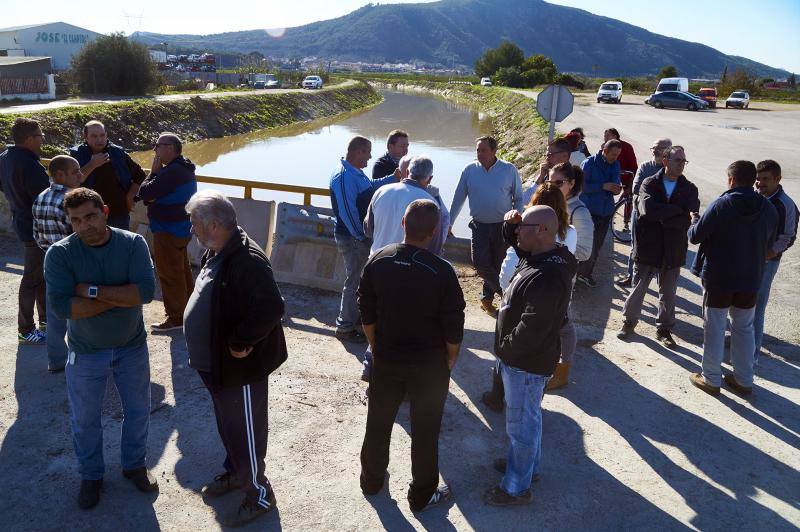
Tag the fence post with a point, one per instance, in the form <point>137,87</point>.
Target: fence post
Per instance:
<point>248,193</point>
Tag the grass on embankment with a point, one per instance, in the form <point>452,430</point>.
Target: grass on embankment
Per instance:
<point>136,124</point>
<point>520,132</point>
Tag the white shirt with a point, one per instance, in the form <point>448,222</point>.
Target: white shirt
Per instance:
<point>511,260</point>
<point>387,208</point>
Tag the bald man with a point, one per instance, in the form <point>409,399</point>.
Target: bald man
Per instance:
<point>527,343</point>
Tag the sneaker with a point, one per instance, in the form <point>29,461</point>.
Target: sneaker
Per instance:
<point>221,485</point>
<point>666,339</point>
<point>43,326</point>
<point>141,478</point>
<point>56,368</point>
<point>588,280</point>
<point>500,465</point>
<point>624,282</point>
<point>442,494</point>
<point>166,326</point>
<point>734,385</point>
<point>35,337</point>
<point>248,511</point>
<point>627,330</point>
<point>353,336</point>
<point>698,380</point>
<point>497,496</point>
<point>488,307</point>
<point>89,495</point>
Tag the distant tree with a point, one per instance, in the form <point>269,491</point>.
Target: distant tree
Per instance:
<point>543,67</point>
<point>724,77</point>
<point>113,64</point>
<point>740,79</point>
<point>668,71</point>
<point>506,55</point>
<point>792,81</point>
<point>509,77</point>
<point>568,80</point>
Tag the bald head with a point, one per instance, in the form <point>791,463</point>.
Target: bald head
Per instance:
<point>538,230</point>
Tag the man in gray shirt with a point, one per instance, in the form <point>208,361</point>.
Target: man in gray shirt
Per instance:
<point>493,187</point>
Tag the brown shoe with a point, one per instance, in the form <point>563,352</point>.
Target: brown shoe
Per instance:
<point>698,380</point>
<point>734,385</point>
<point>488,307</point>
<point>166,326</point>
<point>560,377</point>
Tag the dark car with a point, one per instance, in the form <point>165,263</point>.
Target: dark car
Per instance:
<point>676,100</point>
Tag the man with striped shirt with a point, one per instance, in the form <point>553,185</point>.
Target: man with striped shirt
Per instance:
<point>51,224</point>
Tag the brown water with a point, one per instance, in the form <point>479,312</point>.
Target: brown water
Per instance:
<point>307,154</point>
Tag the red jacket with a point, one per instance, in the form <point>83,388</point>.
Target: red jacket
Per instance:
<point>627,162</point>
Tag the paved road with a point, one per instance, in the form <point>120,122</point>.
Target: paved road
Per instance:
<point>33,107</point>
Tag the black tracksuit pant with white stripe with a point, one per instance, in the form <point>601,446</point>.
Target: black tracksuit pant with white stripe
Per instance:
<point>241,413</point>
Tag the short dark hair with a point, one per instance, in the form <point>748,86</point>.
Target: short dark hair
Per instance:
<point>75,198</point>
<point>394,135</point>
<point>92,123</point>
<point>23,128</point>
<point>770,166</point>
<point>613,131</point>
<point>573,173</point>
<point>561,144</point>
<point>489,140</point>
<point>60,163</point>
<point>422,217</point>
<point>612,144</point>
<point>578,130</point>
<point>743,173</point>
<point>358,143</point>
<point>174,140</point>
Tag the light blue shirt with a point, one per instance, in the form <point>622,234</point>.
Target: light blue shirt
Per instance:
<point>492,193</point>
<point>669,186</point>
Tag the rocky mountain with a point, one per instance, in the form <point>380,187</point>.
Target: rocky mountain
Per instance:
<point>458,31</point>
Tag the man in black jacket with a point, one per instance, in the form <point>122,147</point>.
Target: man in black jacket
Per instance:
<point>412,311</point>
<point>396,149</point>
<point>527,342</point>
<point>666,201</point>
<point>735,234</point>
<point>22,178</point>
<point>232,326</point>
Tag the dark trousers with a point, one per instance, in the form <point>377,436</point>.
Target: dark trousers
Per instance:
<point>241,413</point>
<point>31,289</point>
<point>174,272</point>
<point>426,385</point>
<point>487,250</point>
<point>601,224</point>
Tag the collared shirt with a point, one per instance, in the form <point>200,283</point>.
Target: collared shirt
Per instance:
<point>50,222</point>
<point>351,192</point>
<point>492,193</point>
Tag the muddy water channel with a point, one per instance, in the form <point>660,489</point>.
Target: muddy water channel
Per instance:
<point>307,154</point>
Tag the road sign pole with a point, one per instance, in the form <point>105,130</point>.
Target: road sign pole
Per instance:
<point>553,110</point>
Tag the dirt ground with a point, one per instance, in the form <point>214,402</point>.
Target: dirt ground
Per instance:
<point>629,444</point>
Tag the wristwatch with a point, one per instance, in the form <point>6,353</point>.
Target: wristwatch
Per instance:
<point>93,292</point>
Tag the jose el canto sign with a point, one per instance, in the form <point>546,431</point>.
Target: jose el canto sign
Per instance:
<point>554,104</point>
<point>61,38</point>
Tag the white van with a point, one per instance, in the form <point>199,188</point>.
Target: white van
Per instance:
<point>610,91</point>
<point>673,84</point>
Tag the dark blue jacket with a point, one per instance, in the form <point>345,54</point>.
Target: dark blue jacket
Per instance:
<point>83,153</point>
<point>166,193</point>
<point>596,173</point>
<point>22,178</point>
<point>384,166</point>
<point>734,234</point>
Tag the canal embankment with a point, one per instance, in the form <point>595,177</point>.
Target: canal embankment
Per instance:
<point>520,131</point>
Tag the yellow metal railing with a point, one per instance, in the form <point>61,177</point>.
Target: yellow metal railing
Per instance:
<point>249,185</point>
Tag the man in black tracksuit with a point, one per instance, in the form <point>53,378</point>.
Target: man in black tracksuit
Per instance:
<point>528,343</point>
<point>232,326</point>
<point>412,311</point>
<point>396,149</point>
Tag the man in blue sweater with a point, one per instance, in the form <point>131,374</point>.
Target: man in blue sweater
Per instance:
<point>734,234</point>
<point>351,192</point>
<point>98,278</point>
<point>165,192</point>
<point>601,182</point>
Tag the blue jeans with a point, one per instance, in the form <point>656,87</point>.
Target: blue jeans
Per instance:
<point>56,332</point>
<point>770,269</point>
<point>523,394</point>
<point>86,386</point>
<point>355,254</point>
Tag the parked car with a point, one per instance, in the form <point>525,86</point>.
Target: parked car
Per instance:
<point>312,82</point>
<point>260,84</point>
<point>272,82</point>
<point>708,95</point>
<point>673,84</point>
<point>676,100</point>
<point>740,99</point>
<point>486,82</point>
<point>610,91</point>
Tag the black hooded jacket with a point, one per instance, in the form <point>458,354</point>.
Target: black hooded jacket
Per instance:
<point>534,305</point>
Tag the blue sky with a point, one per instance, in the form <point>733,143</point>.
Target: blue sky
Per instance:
<point>763,30</point>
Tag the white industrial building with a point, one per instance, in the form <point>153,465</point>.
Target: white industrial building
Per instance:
<point>57,40</point>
